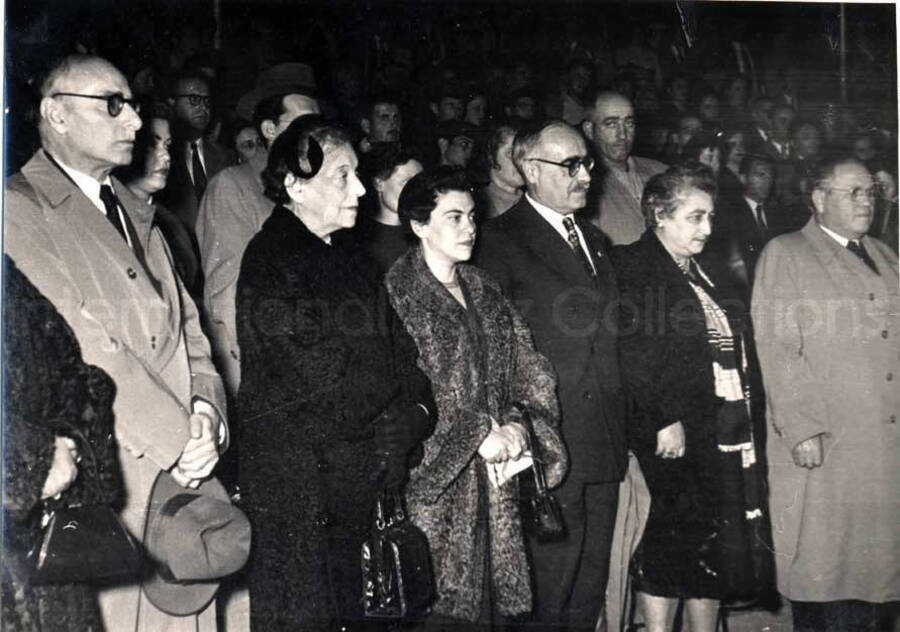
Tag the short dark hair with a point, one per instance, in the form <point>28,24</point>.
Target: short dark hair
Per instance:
<point>379,98</point>
<point>664,191</point>
<point>701,141</point>
<point>502,131</point>
<point>292,147</point>
<point>269,109</point>
<point>751,159</point>
<point>420,195</point>
<point>381,161</point>
<point>143,140</point>
<point>188,76</point>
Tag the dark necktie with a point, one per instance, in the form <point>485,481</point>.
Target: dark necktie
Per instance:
<point>199,173</point>
<point>761,216</point>
<point>111,202</point>
<point>860,251</point>
<point>575,245</point>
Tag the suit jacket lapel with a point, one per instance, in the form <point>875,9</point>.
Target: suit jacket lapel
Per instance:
<point>548,245</point>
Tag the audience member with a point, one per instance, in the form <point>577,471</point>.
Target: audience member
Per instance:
<point>456,142</point>
<point>382,122</point>
<point>478,355</point>
<point>551,262</point>
<point>90,247</point>
<point>572,102</point>
<point>826,312</point>
<point>235,207</point>
<point>505,187</point>
<point>195,160</point>
<point>331,401</point>
<point>476,108</point>
<point>684,369</point>
<point>387,169</point>
<point>610,127</point>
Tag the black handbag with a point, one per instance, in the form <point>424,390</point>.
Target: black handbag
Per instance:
<point>82,544</point>
<point>541,514</point>
<point>398,579</point>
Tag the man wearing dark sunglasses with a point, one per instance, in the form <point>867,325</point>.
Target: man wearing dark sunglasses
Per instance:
<point>195,160</point>
<point>91,247</point>
<point>552,265</point>
<point>615,204</point>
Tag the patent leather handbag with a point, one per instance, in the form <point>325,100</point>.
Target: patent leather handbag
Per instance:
<point>398,579</point>
<point>541,514</point>
<point>82,544</point>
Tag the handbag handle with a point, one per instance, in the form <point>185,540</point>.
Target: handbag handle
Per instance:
<point>540,479</point>
<point>388,509</point>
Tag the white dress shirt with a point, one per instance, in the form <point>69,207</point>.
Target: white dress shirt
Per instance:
<point>91,189</point>
<point>556,221</point>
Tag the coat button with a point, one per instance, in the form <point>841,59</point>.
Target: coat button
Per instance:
<point>884,333</point>
<point>322,465</point>
<point>588,395</point>
<point>871,296</point>
<point>322,520</point>
<point>892,419</point>
<point>131,273</point>
<point>890,376</point>
<point>153,342</point>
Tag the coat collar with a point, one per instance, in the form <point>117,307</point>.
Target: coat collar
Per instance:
<point>845,268</point>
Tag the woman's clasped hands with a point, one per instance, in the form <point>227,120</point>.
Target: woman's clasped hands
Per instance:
<point>503,443</point>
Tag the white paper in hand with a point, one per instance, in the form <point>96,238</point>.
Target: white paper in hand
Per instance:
<point>500,473</point>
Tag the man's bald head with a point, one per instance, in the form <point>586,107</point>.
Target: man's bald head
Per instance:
<point>77,125</point>
<point>610,126</point>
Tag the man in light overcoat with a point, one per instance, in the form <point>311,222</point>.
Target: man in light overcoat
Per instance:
<point>826,313</point>
<point>91,248</point>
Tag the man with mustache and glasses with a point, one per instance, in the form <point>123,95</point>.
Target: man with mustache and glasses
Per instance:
<point>91,247</point>
<point>616,202</point>
<point>552,264</point>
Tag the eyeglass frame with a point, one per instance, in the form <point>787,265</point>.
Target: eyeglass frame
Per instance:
<point>855,192</point>
<point>573,165</point>
<point>195,99</point>
<point>115,102</point>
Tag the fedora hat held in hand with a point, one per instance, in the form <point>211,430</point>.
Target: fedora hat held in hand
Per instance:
<point>193,539</point>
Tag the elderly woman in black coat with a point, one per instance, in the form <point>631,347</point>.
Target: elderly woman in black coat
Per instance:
<point>58,451</point>
<point>331,401</point>
<point>486,375</point>
<point>684,362</point>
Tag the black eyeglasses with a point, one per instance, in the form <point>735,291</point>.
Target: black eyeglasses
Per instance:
<point>196,99</point>
<point>115,103</point>
<point>571,164</point>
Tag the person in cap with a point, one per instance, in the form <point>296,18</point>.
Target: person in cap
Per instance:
<point>235,207</point>
<point>381,122</point>
<point>456,142</point>
<point>91,247</point>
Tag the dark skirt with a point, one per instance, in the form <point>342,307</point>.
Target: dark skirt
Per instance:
<point>699,542</point>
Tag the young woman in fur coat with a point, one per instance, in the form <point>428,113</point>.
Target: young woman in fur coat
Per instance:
<point>485,374</point>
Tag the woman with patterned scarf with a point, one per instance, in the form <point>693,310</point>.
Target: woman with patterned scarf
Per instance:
<point>686,372</point>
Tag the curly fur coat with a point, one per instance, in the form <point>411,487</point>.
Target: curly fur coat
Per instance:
<point>322,354</point>
<point>446,492</point>
<point>49,391</point>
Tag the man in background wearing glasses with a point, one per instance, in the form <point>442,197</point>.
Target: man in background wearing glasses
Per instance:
<point>91,248</point>
<point>615,205</point>
<point>826,317</point>
<point>195,160</point>
<point>552,264</point>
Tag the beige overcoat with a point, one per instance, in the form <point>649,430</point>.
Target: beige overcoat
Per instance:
<point>828,336</point>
